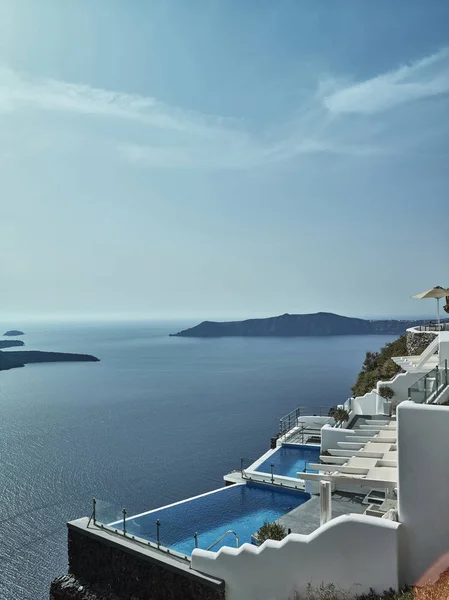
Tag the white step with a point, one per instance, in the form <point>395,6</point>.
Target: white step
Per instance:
<point>341,453</point>
<point>350,445</point>
<point>333,468</point>
<point>338,460</point>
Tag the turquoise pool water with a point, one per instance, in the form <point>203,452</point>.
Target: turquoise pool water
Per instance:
<point>289,459</point>
<point>242,508</point>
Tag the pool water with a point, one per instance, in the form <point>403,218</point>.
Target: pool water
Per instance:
<point>241,507</point>
<point>289,459</point>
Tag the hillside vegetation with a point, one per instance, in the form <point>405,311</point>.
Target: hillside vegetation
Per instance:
<point>426,591</point>
<point>379,366</point>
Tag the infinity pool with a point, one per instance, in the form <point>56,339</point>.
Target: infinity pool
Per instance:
<point>240,507</point>
<point>289,459</point>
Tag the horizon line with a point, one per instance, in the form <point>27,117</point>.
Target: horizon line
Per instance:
<point>140,317</point>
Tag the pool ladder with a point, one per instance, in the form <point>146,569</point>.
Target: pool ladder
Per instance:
<point>222,537</point>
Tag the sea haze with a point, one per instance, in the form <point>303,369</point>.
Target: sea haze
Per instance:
<point>157,420</point>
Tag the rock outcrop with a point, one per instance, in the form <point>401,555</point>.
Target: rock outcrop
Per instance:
<point>416,341</point>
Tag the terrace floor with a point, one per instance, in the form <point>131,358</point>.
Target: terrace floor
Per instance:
<point>306,518</point>
<point>365,420</point>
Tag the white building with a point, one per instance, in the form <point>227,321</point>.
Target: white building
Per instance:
<point>406,456</point>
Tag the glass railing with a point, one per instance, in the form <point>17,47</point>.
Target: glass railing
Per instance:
<point>430,385</point>
<point>149,533</point>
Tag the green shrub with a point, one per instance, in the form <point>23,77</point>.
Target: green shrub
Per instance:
<point>271,531</point>
<point>378,366</point>
<point>386,392</point>
<point>340,415</point>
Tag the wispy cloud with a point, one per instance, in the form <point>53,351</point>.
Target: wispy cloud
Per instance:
<point>170,137</point>
<point>18,91</point>
<point>422,79</point>
<point>173,137</point>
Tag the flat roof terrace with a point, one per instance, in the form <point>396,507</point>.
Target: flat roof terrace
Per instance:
<point>306,518</point>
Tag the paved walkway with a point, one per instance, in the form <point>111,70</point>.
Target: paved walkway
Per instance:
<point>306,518</point>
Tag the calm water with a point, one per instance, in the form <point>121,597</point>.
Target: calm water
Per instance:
<point>157,420</point>
<point>240,508</point>
<point>288,460</point>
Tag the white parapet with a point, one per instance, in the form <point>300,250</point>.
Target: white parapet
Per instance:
<point>423,459</point>
<point>353,552</point>
<point>330,436</point>
<point>369,404</point>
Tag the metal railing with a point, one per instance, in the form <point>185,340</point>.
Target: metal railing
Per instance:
<point>292,419</point>
<point>271,478</point>
<point>433,326</point>
<point>430,385</point>
<point>222,538</point>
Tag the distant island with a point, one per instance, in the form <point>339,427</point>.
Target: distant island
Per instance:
<point>14,359</point>
<point>11,343</point>
<point>20,358</point>
<point>316,324</point>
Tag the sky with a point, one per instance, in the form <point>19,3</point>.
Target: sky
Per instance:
<point>223,158</point>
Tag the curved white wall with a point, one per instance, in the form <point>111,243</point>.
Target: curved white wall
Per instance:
<point>423,469</point>
<point>367,404</point>
<point>330,436</point>
<point>354,552</point>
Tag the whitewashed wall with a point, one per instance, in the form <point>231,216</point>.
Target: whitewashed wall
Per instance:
<point>444,345</point>
<point>340,552</point>
<point>330,436</point>
<point>369,404</point>
<point>400,384</point>
<point>423,463</point>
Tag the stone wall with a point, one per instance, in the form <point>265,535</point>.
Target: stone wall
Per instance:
<point>416,341</point>
<point>104,567</point>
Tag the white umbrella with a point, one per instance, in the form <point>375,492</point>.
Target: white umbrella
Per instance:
<point>435,292</point>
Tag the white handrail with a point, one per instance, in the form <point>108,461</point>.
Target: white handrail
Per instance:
<point>428,352</point>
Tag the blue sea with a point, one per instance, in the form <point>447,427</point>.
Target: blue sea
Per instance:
<point>157,420</point>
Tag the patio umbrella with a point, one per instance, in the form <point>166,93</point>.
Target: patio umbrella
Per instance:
<point>435,292</point>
